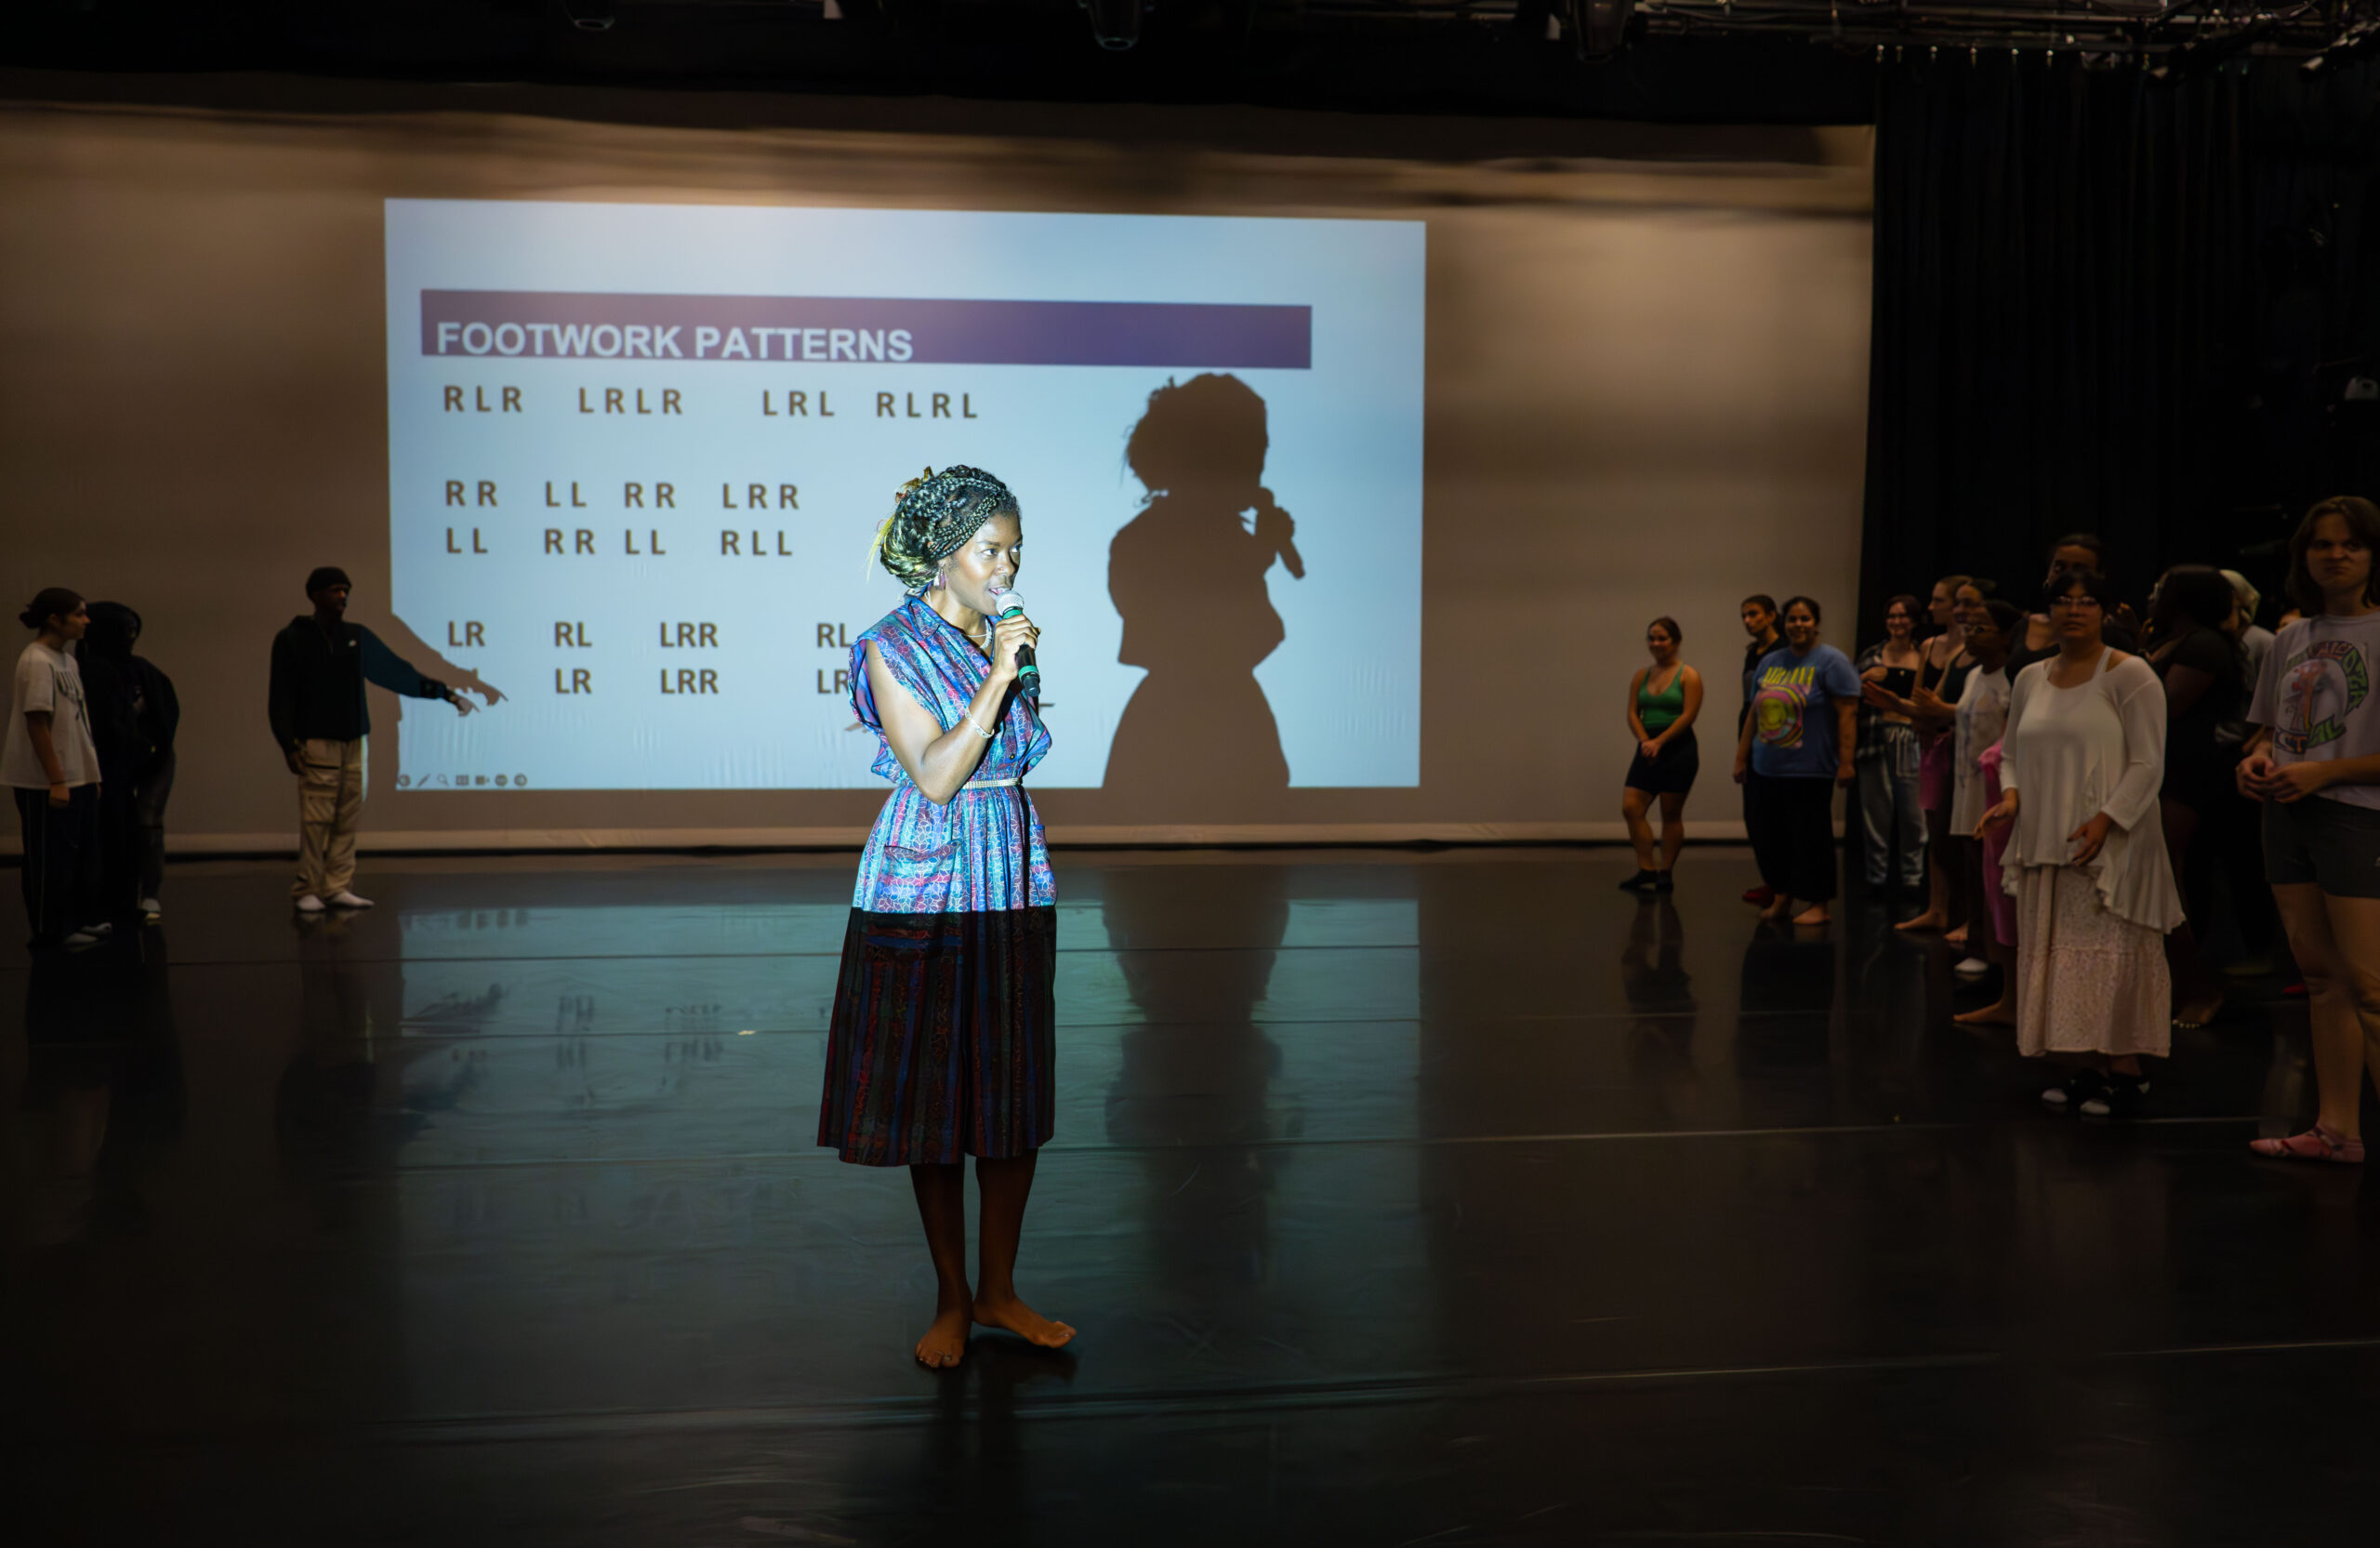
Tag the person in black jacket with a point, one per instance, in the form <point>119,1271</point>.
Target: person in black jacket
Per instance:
<point>320,665</point>
<point>134,715</point>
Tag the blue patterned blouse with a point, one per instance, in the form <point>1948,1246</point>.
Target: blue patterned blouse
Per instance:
<point>985,850</point>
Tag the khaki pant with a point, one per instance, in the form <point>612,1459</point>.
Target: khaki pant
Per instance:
<point>330,804</point>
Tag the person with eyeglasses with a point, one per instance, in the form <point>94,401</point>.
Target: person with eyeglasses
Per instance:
<point>2038,640</point>
<point>2082,761</point>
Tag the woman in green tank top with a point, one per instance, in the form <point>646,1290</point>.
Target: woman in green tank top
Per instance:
<point>1664,700</point>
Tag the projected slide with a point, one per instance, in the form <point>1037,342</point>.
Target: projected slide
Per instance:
<point>637,454</point>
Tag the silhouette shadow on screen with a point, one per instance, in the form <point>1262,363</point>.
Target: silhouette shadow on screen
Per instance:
<point>399,636</point>
<point>1187,577</point>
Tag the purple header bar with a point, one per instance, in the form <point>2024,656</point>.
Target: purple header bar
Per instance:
<point>512,324</point>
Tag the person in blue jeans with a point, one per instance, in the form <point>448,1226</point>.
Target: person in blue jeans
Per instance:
<point>52,764</point>
<point>1799,739</point>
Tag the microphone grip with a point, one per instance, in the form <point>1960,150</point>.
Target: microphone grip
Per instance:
<point>1028,673</point>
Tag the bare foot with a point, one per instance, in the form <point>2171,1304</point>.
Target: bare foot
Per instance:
<point>946,1343</point>
<point>2002,1014</point>
<point>2199,1014</point>
<point>1777,909</point>
<point>1815,913</point>
<point>1930,920</point>
<point>1955,937</point>
<point>1013,1316</point>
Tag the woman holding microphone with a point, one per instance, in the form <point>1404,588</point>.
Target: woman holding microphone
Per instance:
<point>941,1042</point>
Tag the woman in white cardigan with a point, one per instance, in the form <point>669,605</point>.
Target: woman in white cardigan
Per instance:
<point>2082,761</point>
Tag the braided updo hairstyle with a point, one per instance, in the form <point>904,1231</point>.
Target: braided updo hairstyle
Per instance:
<point>933,516</point>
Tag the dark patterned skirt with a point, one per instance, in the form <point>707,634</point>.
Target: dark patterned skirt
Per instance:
<point>943,1038</point>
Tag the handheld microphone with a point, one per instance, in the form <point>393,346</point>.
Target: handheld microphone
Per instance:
<point>1028,674</point>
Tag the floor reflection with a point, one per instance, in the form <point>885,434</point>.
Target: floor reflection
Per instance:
<point>1191,1099</point>
<point>1654,982</point>
<point>349,1103</point>
<point>104,1093</point>
<point>1393,1196</point>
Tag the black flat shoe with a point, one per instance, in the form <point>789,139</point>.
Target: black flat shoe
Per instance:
<point>2120,1097</point>
<point>1641,883</point>
<point>2083,1085</point>
<point>1663,882</point>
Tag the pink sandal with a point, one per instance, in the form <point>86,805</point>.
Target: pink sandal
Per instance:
<point>2320,1142</point>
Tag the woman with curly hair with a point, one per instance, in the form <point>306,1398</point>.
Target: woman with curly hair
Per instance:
<point>941,1038</point>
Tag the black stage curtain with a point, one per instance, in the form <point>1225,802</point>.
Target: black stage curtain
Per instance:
<point>2113,304</point>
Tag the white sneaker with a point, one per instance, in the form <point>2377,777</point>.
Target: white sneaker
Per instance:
<point>151,908</point>
<point>309,904</point>
<point>1971,967</point>
<point>349,900</point>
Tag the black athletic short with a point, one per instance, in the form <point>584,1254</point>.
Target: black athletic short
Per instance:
<point>2328,843</point>
<point>1672,772</point>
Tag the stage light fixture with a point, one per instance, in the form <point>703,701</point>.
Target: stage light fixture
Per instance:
<point>1601,26</point>
<point>1116,23</point>
<point>591,16</point>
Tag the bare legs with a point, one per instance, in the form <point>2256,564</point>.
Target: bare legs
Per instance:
<point>942,1205</point>
<point>1004,1185</point>
<point>1636,807</point>
<point>2337,941</point>
<point>2001,954</point>
<point>1939,892</point>
<point>1633,803</point>
<point>1673,827</point>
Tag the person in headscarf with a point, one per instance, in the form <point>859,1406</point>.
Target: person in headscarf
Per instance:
<point>941,1038</point>
<point>134,715</point>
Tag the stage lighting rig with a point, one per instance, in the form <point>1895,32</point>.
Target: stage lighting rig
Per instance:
<point>2359,41</point>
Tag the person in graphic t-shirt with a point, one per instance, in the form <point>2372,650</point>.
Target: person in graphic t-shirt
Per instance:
<point>1799,739</point>
<point>50,761</point>
<point>2314,761</point>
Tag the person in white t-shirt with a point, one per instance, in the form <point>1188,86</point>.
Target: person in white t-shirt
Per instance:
<point>2314,761</point>
<point>48,760</point>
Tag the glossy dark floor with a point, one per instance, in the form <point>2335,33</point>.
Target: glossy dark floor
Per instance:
<point>1399,1200</point>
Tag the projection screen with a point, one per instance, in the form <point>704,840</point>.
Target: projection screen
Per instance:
<point>638,453</point>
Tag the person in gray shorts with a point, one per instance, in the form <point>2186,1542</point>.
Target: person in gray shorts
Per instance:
<point>2314,761</point>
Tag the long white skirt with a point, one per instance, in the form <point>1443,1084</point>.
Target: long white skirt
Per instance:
<point>2088,981</point>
